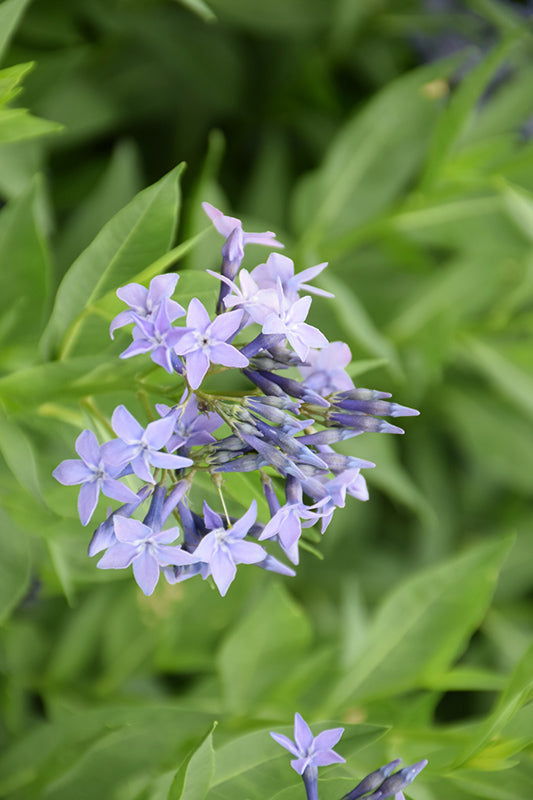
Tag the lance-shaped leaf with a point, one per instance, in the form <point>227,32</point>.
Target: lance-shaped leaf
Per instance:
<point>136,236</point>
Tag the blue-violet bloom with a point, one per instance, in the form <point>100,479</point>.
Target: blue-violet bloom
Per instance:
<point>95,473</point>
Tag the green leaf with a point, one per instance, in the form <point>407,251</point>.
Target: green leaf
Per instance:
<point>26,282</point>
<point>11,12</point>
<point>14,566</point>
<point>259,650</point>
<point>138,234</point>
<point>371,161</point>
<point>360,329</point>
<point>200,8</point>
<point>518,203</point>
<point>68,379</point>
<point>516,694</point>
<point>10,79</point>
<point>19,455</point>
<point>453,121</point>
<point>17,124</point>
<point>513,383</point>
<point>116,187</point>
<point>193,778</point>
<point>423,625</point>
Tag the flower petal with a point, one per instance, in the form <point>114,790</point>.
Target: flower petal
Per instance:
<point>146,572</point>
<point>87,500</point>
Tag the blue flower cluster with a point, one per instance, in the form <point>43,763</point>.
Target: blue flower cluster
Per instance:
<point>317,751</point>
<point>283,428</point>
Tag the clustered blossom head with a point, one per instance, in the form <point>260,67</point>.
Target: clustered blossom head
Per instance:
<point>317,751</point>
<point>300,402</point>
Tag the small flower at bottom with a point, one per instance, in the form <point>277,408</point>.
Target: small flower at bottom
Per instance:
<point>311,751</point>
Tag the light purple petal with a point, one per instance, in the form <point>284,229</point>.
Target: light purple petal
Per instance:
<point>137,348</point>
<point>227,355</point>
<point>187,343</point>
<point>326,757</point>
<point>72,471</point>
<point>87,500</point>
<point>302,733</point>
<point>133,294</point>
<point>131,531</point>
<point>167,536</point>
<point>328,739</point>
<point>126,426</point>
<point>299,764</point>
<point>246,552</point>
<point>146,572</point>
<point>124,318</point>
<point>162,286</point>
<point>170,461</point>
<point>225,325</point>
<point>117,490</point>
<point>159,432</point>
<point>197,364</point>
<point>119,556</point>
<point>222,223</point>
<point>285,742</point>
<point>197,316</point>
<point>87,448</point>
<point>243,525</point>
<point>103,537</point>
<point>223,570</point>
<point>211,518</point>
<point>162,356</point>
<point>312,336</point>
<point>140,467</point>
<point>117,452</point>
<point>167,555</point>
<point>206,548</point>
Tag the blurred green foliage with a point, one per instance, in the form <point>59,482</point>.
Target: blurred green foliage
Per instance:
<point>320,120</point>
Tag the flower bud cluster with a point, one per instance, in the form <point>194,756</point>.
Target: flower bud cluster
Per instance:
<point>300,403</point>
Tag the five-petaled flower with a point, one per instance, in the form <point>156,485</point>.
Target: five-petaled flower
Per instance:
<point>310,751</point>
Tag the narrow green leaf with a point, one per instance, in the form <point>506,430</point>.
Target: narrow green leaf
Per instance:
<point>19,455</point>
<point>60,380</point>
<point>120,182</point>
<point>452,122</point>
<point>11,12</point>
<point>424,625</point>
<point>14,566</point>
<point>17,124</point>
<point>511,382</point>
<point>10,79</point>
<point>260,647</point>
<point>200,8</point>
<point>358,325</point>
<point>138,234</point>
<point>26,281</point>
<point>519,205</point>
<point>371,160</point>
<point>193,778</point>
<point>516,694</point>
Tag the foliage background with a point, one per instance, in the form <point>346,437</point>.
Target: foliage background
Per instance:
<point>393,140</point>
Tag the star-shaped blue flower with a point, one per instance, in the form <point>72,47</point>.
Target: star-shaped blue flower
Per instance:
<point>310,751</point>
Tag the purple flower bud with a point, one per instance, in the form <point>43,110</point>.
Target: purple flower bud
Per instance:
<point>246,463</point>
<point>261,342</point>
<point>329,436</point>
<point>372,781</point>
<point>397,782</point>
<point>379,408</point>
<point>362,422</point>
<point>295,389</point>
